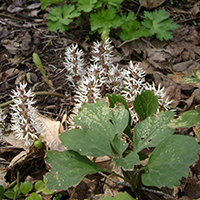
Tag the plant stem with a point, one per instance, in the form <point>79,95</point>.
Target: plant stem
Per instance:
<point>157,192</point>
<point>17,190</point>
<point>139,8</point>
<point>37,93</point>
<point>114,181</point>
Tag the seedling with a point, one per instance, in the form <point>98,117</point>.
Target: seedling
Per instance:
<point>25,188</point>
<point>38,63</point>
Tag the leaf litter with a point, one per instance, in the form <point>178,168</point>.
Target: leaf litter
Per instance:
<point>162,61</point>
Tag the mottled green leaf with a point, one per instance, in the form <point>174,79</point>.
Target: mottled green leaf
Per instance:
<point>119,196</point>
<point>68,169</point>
<point>151,131</point>
<point>99,125</point>
<point>187,119</point>
<point>119,145</point>
<point>128,162</point>
<point>194,81</point>
<point>170,161</point>
<point>113,99</point>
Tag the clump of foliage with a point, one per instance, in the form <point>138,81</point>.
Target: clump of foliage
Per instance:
<point>26,189</point>
<point>106,15</point>
<point>100,134</point>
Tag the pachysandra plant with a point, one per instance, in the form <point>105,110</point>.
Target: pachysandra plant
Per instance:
<point>24,123</point>
<point>100,133</point>
<point>99,127</point>
<point>103,76</point>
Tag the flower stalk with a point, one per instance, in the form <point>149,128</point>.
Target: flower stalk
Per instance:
<point>24,123</point>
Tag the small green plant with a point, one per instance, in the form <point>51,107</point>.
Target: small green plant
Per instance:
<point>105,15</point>
<point>188,119</point>
<point>101,134</point>
<point>38,63</point>
<point>57,196</point>
<point>193,81</point>
<point>25,188</point>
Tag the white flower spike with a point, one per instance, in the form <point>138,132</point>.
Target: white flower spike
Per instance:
<point>24,125</point>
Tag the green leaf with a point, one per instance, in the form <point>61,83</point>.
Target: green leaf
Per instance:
<point>68,169</point>
<point>115,3</point>
<point>34,196</point>
<point>38,63</point>
<point>59,17</point>
<point>187,119</point>
<point>198,128</point>
<point>170,161</point>
<point>39,185</point>
<point>158,23</point>
<point>146,104</point>
<point>45,3</point>
<point>113,99</point>
<point>86,5</point>
<point>119,196</point>
<point>9,193</point>
<point>119,145</point>
<point>26,187</point>
<point>1,192</point>
<point>45,191</point>
<point>198,109</point>
<point>191,80</point>
<point>128,162</point>
<point>104,20</point>
<point>131,28</point>
<point>151,131</point>
<point>100,124</point>
<point>196,73</point>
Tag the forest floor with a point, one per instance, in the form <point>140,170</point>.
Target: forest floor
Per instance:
<point>25,31</point>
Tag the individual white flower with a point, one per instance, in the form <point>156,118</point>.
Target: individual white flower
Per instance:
<point>24,125</point>
<point>74,64</point>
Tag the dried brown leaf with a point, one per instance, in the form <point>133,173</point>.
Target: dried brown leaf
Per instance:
<point>150,4</point>
<point>51,133</point>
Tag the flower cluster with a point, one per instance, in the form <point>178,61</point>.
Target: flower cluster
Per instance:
<point>24,123</point>
<point>103,76</point>
<point>74,64</point>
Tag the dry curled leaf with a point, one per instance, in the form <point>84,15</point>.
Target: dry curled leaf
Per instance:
<point>51,133</point>
<point>150,4</point>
